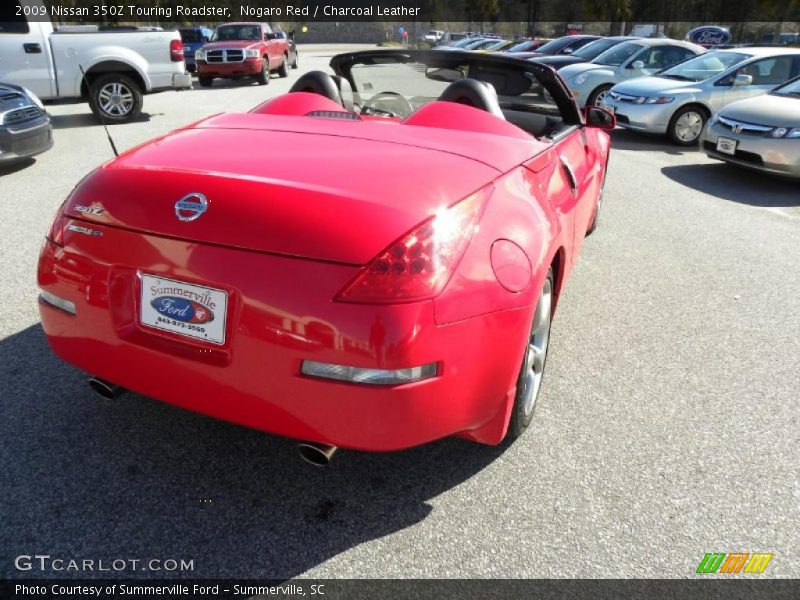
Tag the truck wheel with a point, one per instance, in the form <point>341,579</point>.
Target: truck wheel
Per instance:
<point>205,81</point>
<point>263,77</point>
<point>283,70</point>
<point>116,98</point>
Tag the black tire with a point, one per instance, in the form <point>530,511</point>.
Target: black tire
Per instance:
<point>522,412</point>
<point>115,98</point>
<point>295,59</point>
<point>283,70</point>
<point>263,77</point>
<point>686,125</point>
<point>205,81</point>
<point>599,91</point>
<point>596,217</point>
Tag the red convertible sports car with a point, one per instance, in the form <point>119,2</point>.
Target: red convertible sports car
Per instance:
<point>371,260</point>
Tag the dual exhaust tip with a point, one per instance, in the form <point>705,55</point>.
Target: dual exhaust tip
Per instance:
<point>319,455</point>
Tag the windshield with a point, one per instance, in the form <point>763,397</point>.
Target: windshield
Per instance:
<point>595,49</point>
<point>616,55</point>
<point>191,36</point>
<point>789,89</point>
<point>498,45</point>
<point>227,33</point>
<point>704,66</point>
<point>524,46</point>
<point>554,46</point>
<point>478,44</point>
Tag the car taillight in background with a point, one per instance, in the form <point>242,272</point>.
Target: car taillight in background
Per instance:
<point>176,50</point>
<point>419,265</point>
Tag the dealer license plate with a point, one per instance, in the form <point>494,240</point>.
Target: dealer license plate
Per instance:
<point>726,145</point>
<point>186,309</point>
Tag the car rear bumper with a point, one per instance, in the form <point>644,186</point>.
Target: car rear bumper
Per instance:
<point>280,313</point>
<point>250,67</point>
<point>755,151</point>
<point>26,141</point>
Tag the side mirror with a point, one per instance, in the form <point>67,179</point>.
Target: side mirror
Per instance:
<point>600,118</point>
<point>742,79</point>
<point>568,50</point>
<point>636,65</point>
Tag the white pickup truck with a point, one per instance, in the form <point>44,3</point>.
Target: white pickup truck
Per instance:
<point>120,66</point>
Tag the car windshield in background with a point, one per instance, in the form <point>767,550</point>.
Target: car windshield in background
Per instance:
<point>526,46</point>
<point>704,66</point>
<point>464,42</point>
<point>594,49</point>
<point>227,33</point>
<point>191,36</point>
<point>553,46</point>
<point>391,88</point>
<point>789,89</point>
<point>616,55</point>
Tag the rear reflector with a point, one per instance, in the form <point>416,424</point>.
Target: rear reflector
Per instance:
<point>367,376</point>
<point>54,300</point>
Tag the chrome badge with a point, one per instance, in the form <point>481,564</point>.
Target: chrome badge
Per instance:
<point>191,207</point>
<point>736,128</point>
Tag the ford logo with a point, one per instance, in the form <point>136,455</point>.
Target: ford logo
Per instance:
<point>191,207</point>
<point>182,309</point>
<point>709,35</point>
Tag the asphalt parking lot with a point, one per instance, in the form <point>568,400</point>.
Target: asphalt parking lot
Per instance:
<point>669,424</point>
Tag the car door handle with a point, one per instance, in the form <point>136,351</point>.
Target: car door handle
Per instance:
<point>32,48</point>
<point>573,182</point>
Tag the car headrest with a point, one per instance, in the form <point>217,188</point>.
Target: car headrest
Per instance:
<point>472,92</point>
<point>332,87</point>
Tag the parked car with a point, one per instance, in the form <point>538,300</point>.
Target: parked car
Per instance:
<point>193,39</point>
<point>591,81</point>
<point>527,46</point>
<point>120,66</point>
<point>450,38</point>
<point>761,133</point>
<point>294,53</point>
<point>25,129</point>
<point>498,46</point>
<point>460,44</point>
<point>480,44</point>
<point>375,308</point>
<point>678,101</point>
<point>241,50</point>
<point>584,54</point>
<point>434,36</point>
<point>564,45</point>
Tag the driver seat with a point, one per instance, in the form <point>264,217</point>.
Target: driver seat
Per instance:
<point>472,92</point>
<point>332,87</point>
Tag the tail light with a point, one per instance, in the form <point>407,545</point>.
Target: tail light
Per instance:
<point>56,232</point>
<point>419,264</point>
<point>176,50</point>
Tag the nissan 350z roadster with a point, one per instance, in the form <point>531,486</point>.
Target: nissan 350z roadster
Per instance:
<point>370,261</point>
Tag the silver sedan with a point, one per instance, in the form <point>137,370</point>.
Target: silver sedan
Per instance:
<point>759,133</point>
<point>679,101</point>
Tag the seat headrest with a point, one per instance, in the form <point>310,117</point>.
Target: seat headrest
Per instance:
<point>332,87</point>
<point>472,92</point>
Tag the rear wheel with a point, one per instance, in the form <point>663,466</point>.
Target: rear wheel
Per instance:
<point>295,59</point>
<point>263,77</point>
<point>598,95</point>
<point>205,81</point>
<point>529,380</point>
<point>283,70</point>
<point>116,98</point>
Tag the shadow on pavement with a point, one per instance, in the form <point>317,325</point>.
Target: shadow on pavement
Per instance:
<point>17,165</point>
<point>624,139</point>
<point>134,478</point>
<point>736,184</point>
<point>88,120</point>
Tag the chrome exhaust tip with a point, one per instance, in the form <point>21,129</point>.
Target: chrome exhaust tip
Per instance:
<point>319,455</point>
<point>107,390</point>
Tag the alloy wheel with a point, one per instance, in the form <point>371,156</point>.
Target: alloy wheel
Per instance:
<point>115,99</point>
<point>536,353</point>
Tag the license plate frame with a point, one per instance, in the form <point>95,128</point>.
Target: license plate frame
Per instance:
<point>726,146</point>
<point>189,310</point>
